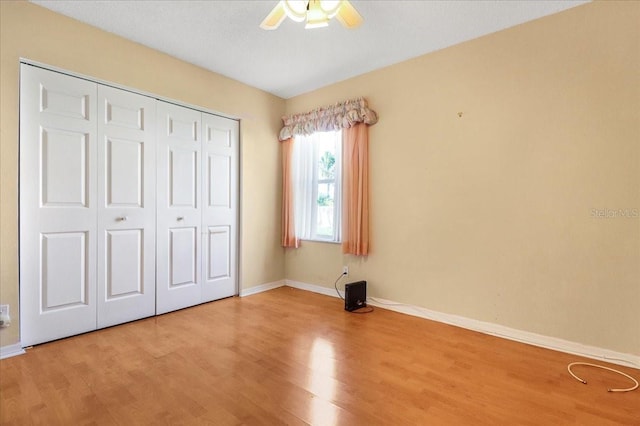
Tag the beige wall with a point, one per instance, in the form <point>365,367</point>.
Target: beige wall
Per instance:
<point>32,32</point>
<point>489,216</point>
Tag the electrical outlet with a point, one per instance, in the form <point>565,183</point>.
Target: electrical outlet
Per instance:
<point>5,319</point>
<point>345,270</point>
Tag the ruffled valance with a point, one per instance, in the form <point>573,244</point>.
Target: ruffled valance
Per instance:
<point>339,116</point>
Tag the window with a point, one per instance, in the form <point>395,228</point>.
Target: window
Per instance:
<point>317,181</point>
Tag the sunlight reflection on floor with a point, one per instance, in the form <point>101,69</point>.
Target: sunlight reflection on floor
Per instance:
<point>322,383</point>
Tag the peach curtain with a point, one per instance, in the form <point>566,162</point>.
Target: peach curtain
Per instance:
<point>289,238</point>
<point>354,117</point>
<point>355,190</point>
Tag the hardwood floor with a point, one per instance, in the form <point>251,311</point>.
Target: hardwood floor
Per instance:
<point>292,357</point>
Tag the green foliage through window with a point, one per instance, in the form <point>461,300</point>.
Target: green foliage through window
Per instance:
<point>327,166</point>
<point>325,200</point>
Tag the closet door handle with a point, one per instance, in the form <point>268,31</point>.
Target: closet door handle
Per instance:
<point>180,218</point>
<point>121,219</point>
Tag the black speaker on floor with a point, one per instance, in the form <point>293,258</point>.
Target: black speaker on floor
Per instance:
<point>355,295</point>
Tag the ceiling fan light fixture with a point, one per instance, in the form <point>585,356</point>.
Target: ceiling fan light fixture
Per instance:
<point>295,9</point>
<point>316,24</point>
<point>316,13</point>
<point>316,16</point>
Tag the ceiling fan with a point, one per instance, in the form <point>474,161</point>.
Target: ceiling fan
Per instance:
<point>316,13</point>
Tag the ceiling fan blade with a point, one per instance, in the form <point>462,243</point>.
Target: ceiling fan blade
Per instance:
<point>274,18</point>
<point>348,15</point>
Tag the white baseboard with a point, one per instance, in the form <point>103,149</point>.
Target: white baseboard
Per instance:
<point>260,288</point>
<point>553,343</point>
<point>11,350</point>
<point>311,287</point>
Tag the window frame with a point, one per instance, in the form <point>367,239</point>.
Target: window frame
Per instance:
<point>313,235</point>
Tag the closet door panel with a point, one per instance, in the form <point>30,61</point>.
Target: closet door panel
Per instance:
<point>64,168</point>
<point>219,252</point>
<point>124,172</point>
<point>183,177</point>
<point>64,274</point>
<point>124,267</point>
<point>179,210</point>
<point>183,255</point>
<point>57,205</point>
<point>220,210</point>
<point>126,211</point>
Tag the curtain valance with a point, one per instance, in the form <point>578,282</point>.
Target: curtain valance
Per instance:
<point>342,115</point>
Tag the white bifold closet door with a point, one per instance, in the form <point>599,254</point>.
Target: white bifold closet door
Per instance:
<point>58,205</point>
<point>87,210</point>
<point>197,198</point>
<point>219,210</point>
<point>126,206</point>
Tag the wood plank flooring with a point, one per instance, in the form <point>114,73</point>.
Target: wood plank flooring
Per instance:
<point>292,357</point>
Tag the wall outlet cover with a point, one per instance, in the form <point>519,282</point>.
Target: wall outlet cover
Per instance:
<point>5,319</point>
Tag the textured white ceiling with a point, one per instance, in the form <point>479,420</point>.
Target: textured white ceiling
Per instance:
<point>224,37</point>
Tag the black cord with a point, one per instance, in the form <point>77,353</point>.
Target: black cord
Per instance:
<point>336,285</point>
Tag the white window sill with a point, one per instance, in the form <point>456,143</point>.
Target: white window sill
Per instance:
<point>321,241</point>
